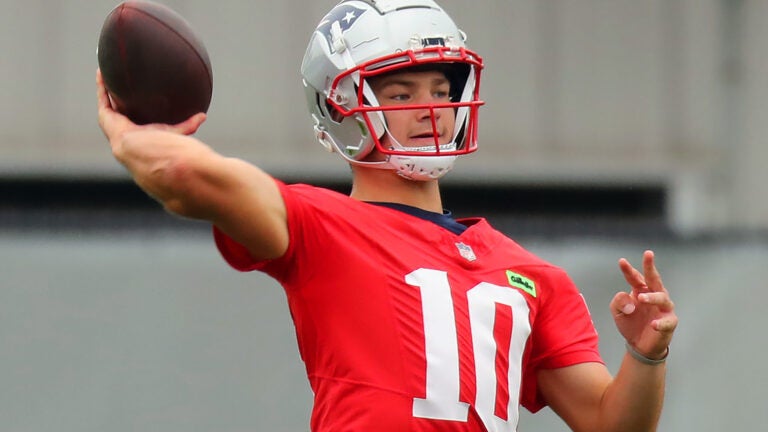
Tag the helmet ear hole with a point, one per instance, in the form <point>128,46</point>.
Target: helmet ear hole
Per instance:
<point>318,108</point>
<point>333,113</point>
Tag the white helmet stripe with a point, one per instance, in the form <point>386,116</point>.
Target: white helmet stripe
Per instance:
<point>378,120</point>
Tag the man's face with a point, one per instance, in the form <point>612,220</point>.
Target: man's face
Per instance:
<point>413,127</point>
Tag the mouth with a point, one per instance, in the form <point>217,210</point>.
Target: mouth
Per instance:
<point>427,136</point>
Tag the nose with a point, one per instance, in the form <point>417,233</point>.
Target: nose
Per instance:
<point>427,98</point>
<point>427,113</point>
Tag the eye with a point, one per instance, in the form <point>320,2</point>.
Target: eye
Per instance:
<point>442,94</point>
<point>400,97</point>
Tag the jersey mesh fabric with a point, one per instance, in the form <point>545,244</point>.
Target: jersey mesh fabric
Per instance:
<point>360,325</point>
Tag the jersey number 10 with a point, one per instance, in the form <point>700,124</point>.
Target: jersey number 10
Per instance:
<point>442,350</point>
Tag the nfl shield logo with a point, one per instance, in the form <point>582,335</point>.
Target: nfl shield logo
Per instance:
<point>466,252</point>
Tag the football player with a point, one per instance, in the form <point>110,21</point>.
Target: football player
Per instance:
<point>407,319</point>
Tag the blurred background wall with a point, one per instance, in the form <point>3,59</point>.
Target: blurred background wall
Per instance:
<point>113,316</point>
<point>662,92</point>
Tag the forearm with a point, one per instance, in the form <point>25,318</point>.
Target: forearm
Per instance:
<point>189,179</point>
<point>634,399</point>
<point>166,166</point>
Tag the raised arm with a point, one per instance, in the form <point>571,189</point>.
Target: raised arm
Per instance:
<point>190,179</point>
<point>587,397</point>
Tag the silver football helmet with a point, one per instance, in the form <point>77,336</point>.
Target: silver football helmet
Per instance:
<point>361,39</point>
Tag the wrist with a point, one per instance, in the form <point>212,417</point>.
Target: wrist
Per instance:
<point>646,360</point>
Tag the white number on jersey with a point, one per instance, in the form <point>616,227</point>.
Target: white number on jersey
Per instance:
<point>442,351</point>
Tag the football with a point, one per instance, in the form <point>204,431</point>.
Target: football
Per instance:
<point>154,66</point>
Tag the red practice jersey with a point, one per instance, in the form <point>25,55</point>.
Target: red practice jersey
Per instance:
<point>406,326</point>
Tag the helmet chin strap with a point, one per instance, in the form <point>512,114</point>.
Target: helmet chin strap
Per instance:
<point>420,168</point>
<point>417,168</point>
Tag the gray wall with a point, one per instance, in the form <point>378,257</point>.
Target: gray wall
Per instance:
<point>626,91</point>
<point>153,332</point>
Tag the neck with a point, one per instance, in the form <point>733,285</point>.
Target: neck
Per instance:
<point>372,184</point>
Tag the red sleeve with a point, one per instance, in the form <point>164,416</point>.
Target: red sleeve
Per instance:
<point>237,255</point>
<point>305,209</point>
<point>562,334</point>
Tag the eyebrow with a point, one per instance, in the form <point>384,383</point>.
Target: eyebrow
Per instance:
<point>390,81</point>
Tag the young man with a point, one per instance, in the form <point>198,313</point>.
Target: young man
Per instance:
<point>406,319</point>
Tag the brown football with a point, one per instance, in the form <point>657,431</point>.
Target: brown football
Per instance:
<point>154,66</point>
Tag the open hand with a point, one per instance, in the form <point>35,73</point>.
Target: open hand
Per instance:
<point>645,315</point>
